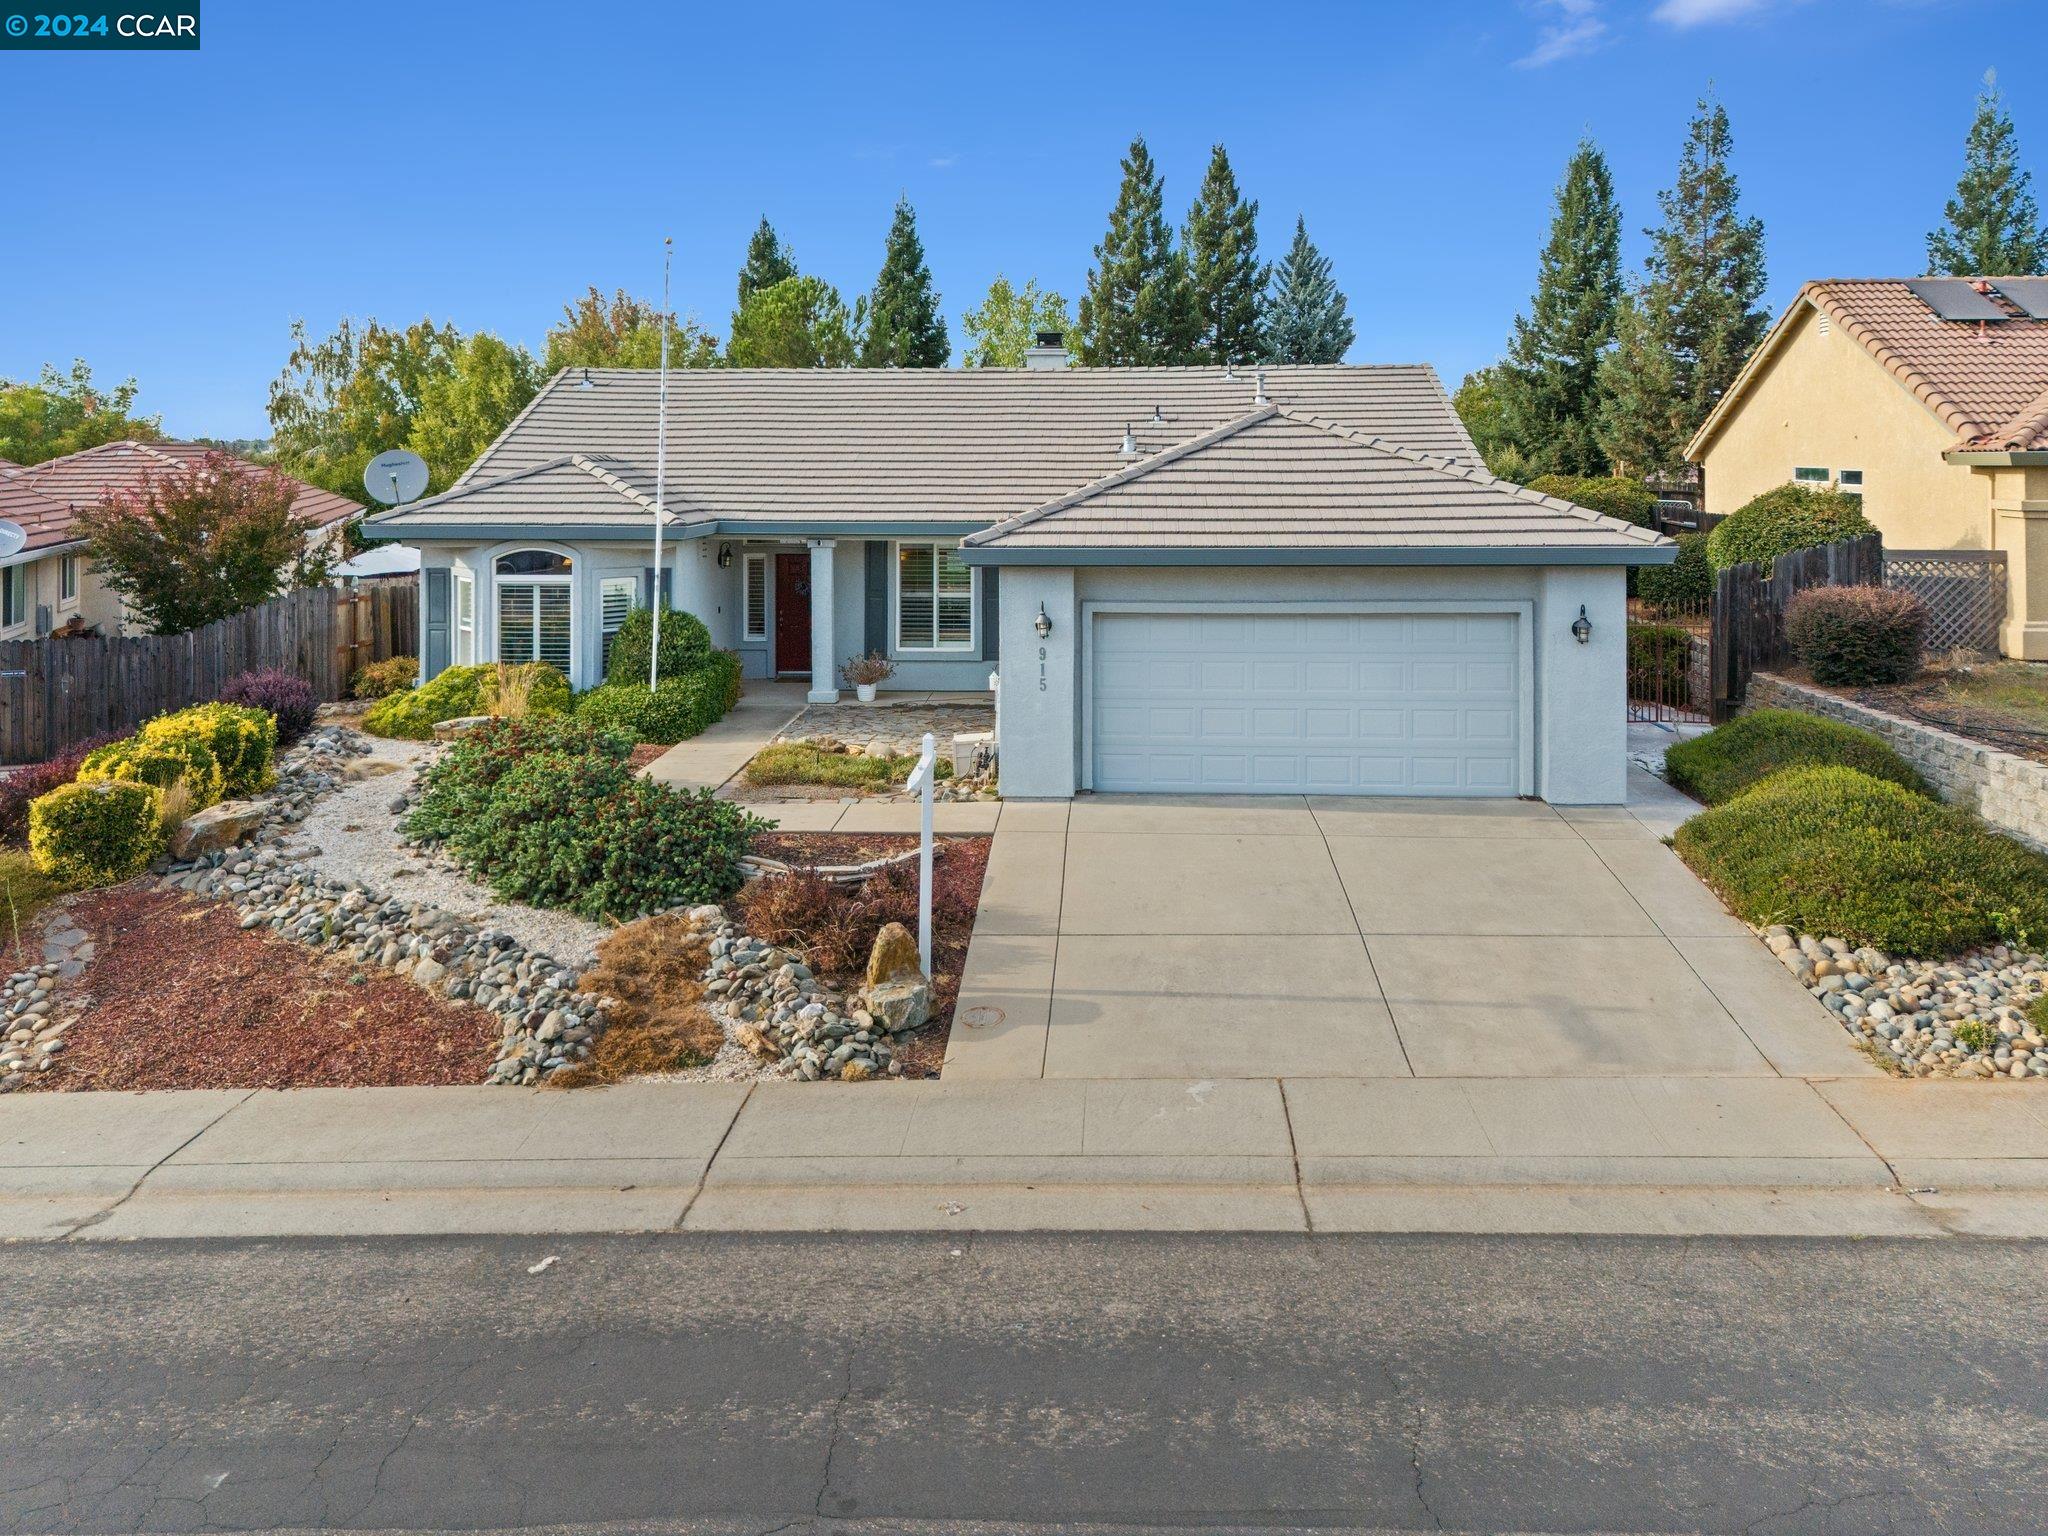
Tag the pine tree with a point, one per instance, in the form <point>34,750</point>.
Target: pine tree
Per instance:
<point>1228,282</point>
<point>1549,387</point>
<point>1139,307</point>
<point>1993,227</point>
<point>904,326</point>
<point>769,262</point>
<point>1639,427</point>
<point>1699,300</point>
<point>1305,319</point>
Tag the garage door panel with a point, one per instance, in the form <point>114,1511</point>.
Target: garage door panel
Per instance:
<point>1306,702</point>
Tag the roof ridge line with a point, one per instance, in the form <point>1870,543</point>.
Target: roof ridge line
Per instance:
<point>1129,472</point>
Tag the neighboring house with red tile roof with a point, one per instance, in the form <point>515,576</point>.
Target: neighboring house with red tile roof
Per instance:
<point>1940,424</point>
<point>49,576</point>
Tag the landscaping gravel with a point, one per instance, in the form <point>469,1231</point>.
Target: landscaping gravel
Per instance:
<point>1927,1018</point>
<point>352,834</point>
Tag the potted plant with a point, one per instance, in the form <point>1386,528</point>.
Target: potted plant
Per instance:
<point>866,671</point>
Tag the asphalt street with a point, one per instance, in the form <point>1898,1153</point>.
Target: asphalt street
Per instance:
<point>686,1383</point>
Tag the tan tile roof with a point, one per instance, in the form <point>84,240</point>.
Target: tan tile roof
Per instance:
<point>83,478</point>
<point>578,492</point>
<point>1987,383</point>
<point>972,444</point>
<point>1279,478</point>
<point>47,523</point>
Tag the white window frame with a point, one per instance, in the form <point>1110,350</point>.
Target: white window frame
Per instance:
<point>1842,482</point>
<point>566,581</point>
<point>1811,474</point>
<point>753,622</point>
<point>67,582</point>
<point>972,647</point>
<point>14,594</point>
<point>605,587</point>
<point>465,619</point>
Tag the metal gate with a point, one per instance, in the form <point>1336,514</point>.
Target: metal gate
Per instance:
<point>1669,678</point>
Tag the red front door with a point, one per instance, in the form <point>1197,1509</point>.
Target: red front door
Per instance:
<point>793,613</point>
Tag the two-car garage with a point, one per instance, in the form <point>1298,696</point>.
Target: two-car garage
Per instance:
<point>1254,700</point>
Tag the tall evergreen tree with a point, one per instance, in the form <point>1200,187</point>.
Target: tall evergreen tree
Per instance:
<point>904,326</point>
<point>1549,389</point>
<point>1305,319</point>
<point>1993,226</point>
<point>1702,283</point>
<point>1222,244</point>
<point>769,262</point>
<point>1138,307</point>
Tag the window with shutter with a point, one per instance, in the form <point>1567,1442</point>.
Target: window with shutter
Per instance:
<point>934,599</point>
<point>757,597</point>
<point>617,596</point>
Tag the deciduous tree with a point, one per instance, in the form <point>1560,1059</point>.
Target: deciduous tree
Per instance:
<point>1008,322</point>
<point>196,544</point>
<point>1477,403</point>
<point>624,332</point>
<point>63,413</point>
<point>464,408</point>
<point>1992,226</point>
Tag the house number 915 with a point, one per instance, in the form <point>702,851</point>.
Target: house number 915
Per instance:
<point>1041,669</point>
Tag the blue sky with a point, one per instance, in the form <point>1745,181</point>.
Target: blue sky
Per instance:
<point>483,164</point>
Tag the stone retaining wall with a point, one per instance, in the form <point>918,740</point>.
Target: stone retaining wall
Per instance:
<point>2009,792</point>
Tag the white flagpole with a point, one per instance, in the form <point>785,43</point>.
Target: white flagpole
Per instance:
<point>660,470</point>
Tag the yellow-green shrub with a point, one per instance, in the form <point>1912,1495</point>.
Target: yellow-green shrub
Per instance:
<point>177,759</point>
<point>243,742</point>
<point>460,691</point>
<point>97,832</point>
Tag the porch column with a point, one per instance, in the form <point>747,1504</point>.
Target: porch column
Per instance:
<point>824,671</point>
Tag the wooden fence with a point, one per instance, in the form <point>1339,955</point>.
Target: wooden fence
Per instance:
<point>1749,609</point>
<point>54,692</point>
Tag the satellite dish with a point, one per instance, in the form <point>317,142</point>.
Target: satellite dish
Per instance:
<point>12,539</point>
<point>396,475</point>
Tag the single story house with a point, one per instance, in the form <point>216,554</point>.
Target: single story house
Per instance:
<point>1295,579</point>
<point>1927,397</point>
<point>49,584</point>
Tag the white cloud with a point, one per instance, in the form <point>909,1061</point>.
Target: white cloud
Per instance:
<point>1684,14</point>
<point>943,162</point>
<point>1576,29</point>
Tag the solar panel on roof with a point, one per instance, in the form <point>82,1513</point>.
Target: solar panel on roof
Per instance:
<point>2030,293</point>
<point>1952,298</point>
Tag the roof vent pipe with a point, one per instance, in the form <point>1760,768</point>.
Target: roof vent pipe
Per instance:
<point>586,384</point>
<point>1260,398</point>
<point>1130,447</point>
<point>1229,372</point>
<point>1159,415</point>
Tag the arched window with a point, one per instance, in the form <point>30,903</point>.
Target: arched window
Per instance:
<point>536,608</point>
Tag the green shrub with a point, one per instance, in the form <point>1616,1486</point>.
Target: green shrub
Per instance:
<point>1688,582</point>
<point>98,832</point>
<point>461,691</point>
<point>1835,851</point>
<point>676,710</point>
<point>803,762</point>
<point>1659,659</point>
<point>685,645</point>
<point>1725,761</point>
<point>181,760</point>
<point>243,742</point>
<point>1782,520</point>
<point>1614,495</point>
<point>549,813</point>
<point>1854,637</point>
<point>380,679</point>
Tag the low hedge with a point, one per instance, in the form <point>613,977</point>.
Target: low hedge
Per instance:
<point>1614,495</point>
<point>96,832</point>
<point>1857,637</point>
<point>548,812</point>
<point>459,691</point>
<point>675,710</point>
<point>1781,520</point>
<point>1688,582</point>
<point>1727,760</point>
<point>243,742</point>
<point>1834,851</point>
<point>685,646</point>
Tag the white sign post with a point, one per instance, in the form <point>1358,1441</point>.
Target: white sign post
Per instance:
<point>921,780</point>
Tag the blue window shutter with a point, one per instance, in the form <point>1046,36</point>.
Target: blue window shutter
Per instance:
<point>990,641</point>
<point>435,661</point>
<point>876,628</point>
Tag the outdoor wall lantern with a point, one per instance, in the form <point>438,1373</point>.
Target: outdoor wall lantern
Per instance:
<point>1582,627</point>
<point>724,556</point>
<point>1043,623</point>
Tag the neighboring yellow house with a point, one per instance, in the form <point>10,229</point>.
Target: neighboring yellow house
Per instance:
<point>1939,422</point>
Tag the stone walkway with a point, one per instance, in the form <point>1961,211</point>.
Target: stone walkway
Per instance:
<point>884,728</point>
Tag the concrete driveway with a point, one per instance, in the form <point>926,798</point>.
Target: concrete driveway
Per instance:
<point>1289,937</point>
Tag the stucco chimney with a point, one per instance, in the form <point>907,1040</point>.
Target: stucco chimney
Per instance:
<point>1049,352</point>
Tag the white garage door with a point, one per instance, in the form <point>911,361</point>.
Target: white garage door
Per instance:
<point>1306,703</point>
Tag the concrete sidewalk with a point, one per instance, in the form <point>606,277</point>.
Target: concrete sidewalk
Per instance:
<point>1731,1156</point>
<point>707,760</point>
